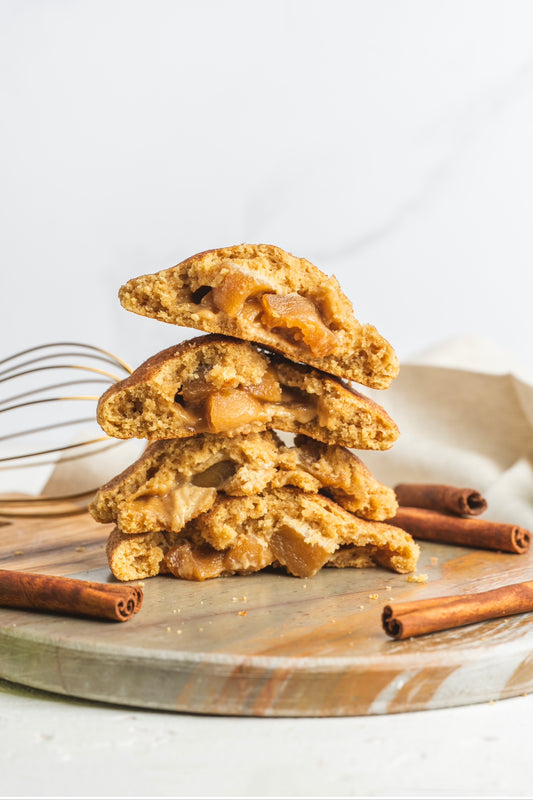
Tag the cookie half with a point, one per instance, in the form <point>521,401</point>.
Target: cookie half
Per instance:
<point>216,384</point>
<point>175,480</point>
<point>261,293</point>
<point>299,531</point>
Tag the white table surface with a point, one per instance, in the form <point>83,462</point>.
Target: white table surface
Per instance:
<point>389,143</point>
<point>55,747</point>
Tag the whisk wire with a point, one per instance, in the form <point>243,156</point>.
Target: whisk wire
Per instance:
<point>49,450</point>
<point>59,366</point>
<point>97,350</point>
<point>43,428</point>
<point>50,356</point>
<point>61,385</point>
<point>66,457</point>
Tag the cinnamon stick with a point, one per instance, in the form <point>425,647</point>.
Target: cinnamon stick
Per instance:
<point>437,527</point>
<point>69,595</point>
<point>403,620</point>
<point>440,497</point>
<point>121,589</point>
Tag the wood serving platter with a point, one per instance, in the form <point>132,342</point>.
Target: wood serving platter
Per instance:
<point>266,644</point>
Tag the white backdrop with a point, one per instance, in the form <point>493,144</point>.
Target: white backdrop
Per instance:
<point>388,142</point>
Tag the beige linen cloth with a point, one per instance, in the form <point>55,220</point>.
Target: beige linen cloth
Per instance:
<point>465,413</point>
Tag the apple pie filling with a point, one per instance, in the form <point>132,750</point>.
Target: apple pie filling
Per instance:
<point>168,501</point>
<point>251,552</point>
<point>293,316</point>
<point>206,408</point>
<point>167,507</point>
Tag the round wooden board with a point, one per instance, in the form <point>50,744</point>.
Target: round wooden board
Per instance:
<point>267,644</point>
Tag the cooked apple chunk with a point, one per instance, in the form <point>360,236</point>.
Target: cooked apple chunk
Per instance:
<point>292,312</point>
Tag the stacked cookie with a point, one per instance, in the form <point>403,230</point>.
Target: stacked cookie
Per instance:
<point>217,491</point>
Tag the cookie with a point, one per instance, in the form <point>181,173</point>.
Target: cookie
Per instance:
<point>175,480</point>
<point>217,384</point>
<point>262,294</point>
<point>299,531</point>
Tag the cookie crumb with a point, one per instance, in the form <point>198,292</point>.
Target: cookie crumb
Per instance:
<point>373,596</point>
<point>241,613</point>
<point>418,578</point>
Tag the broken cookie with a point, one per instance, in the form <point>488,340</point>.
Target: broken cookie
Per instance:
<point>175,480</point>
<point>261,293</point>
<point>216,384</point>
<point>299,531</point>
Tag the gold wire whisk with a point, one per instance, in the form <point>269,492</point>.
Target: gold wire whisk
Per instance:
<point>40,401</point>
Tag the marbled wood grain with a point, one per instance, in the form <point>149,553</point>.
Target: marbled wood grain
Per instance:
<point>310,647</point>
<point>55,545</point>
